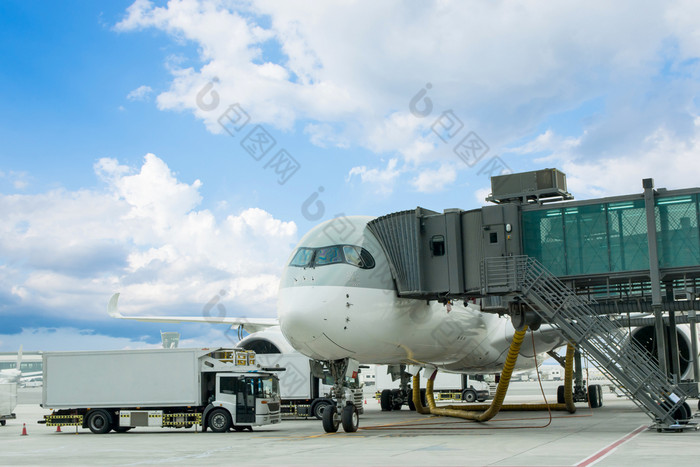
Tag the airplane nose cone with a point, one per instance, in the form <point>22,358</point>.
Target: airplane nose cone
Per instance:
<point>300,320</point>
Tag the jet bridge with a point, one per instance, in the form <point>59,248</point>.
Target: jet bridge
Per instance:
<point>538,255</point>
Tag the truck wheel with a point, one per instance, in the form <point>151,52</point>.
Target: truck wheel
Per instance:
<point>318,408</point>
<point>2,422</point>
<point>330,420</point>
<point>219,421</point>
<point>469,395</point>
<point>350,418</point>
<point>122,429</point>
<point>99,421</point>
<point>386,400</point>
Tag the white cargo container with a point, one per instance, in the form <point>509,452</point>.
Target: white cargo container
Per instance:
<point>121,389</point>
<point>8,401</point>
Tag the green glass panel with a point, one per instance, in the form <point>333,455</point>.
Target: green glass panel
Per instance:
<point>586,239</point>
<point>677,231</point>
<point>543,239</point>
<point>629,249</point>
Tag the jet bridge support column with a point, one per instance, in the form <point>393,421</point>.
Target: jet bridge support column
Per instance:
<point>654,276</point>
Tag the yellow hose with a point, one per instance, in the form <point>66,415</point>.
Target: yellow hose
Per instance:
<point>485,412</point>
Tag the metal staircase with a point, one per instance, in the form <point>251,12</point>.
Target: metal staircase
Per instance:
<point>620,358</point>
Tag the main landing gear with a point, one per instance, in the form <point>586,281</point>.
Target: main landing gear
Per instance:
<point>394,399</point>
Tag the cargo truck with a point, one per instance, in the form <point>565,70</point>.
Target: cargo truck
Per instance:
<point>220,389</point>
<point>8,402</point>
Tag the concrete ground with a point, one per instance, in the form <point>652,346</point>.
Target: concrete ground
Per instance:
<point>612,435</point>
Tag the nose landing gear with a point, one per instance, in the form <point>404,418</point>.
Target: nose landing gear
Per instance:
<point>344,411</point>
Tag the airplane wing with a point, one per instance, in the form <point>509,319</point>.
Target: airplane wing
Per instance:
<point>250,325</point>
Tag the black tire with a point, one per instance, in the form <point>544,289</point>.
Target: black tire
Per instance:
<point>396,399</point>
<point>99,421</point>
<point>350,418</point>
<point>386,400</point>
<point>469,395</point>
<point>122,429</point>
<point>560,395</point>
<point>219,421</point>
<point>239,428</point>
<point>411,405</point>
<point>424,397</point>
<point>330,420</point>
<point>595,396</point>
<point>683,413</point>
<point>3,422</point>
<point>318,407</point>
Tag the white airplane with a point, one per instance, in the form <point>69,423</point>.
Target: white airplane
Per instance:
<point>338,304</point>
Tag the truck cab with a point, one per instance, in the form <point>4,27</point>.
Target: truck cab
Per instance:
<point>242,401</point>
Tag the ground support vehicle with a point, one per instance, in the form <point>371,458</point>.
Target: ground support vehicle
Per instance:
<point>302,390</point>
<point>219,389</point>
<point>8,402</point>
<point>447,386</point>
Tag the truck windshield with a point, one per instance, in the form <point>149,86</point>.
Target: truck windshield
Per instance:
<point>265,388</point>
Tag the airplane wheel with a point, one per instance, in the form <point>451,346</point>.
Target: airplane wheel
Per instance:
<point>411,405</point>
<point>560,395</point>
<point>330,420</point>
<point>350,419</point>
<point>386,400</point>
<point>3,422</point>
<point>219,421</point>
<point>396,399</point>
<point>99,421</point>
<point>469,395</point>
<point>595,396</point>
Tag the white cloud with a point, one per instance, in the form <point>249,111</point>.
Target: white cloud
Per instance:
<point>431,181</point>
<point>142,93</point>
<point>348,71</point>
<point>67,251</point>
<point>672,161</point>
<point>70,338</point>
<point>381,180</point>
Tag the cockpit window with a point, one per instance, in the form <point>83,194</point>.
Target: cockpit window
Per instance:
<point>352,256</point>
<point>303,257</point>
<point>348,254</point>
<point>328,255</point>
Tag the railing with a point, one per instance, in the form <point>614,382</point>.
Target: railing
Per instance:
<point>621,359</point>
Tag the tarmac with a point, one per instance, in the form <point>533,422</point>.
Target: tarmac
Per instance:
<point>616,434</point>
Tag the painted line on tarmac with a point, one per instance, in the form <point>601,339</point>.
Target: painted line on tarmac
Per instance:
<point>606,451</point>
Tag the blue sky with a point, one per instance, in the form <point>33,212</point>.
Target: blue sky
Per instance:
<point>115,176</point>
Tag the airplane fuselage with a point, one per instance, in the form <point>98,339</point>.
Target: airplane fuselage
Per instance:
<point>338,300</point>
